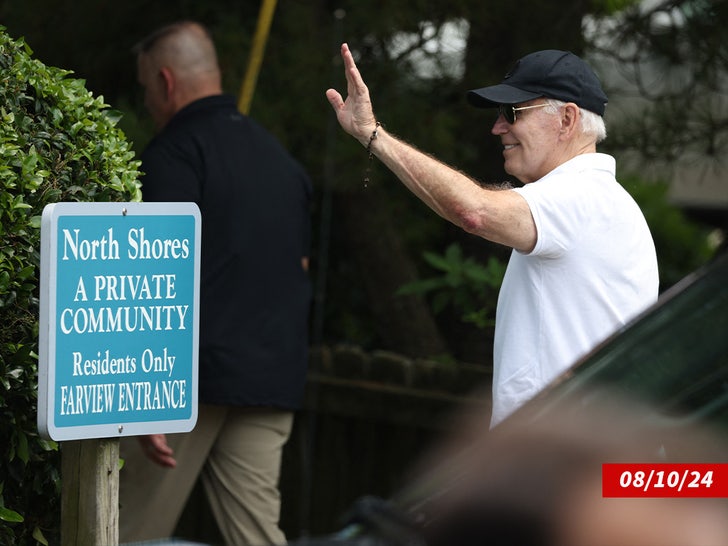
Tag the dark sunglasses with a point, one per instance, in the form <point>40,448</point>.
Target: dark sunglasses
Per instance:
<point>508,111</point>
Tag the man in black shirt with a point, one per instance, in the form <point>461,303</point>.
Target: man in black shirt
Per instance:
<point>254,298</point>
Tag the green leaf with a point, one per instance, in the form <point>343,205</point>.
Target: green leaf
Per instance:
<point>23,453</point>
<point>437,261</point>
<point>10,516</point>
<point>39,537</point>
<point>419,287</point>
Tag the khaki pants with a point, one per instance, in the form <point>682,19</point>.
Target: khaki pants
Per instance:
<point>236,451</point>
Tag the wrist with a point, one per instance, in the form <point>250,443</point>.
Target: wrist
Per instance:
<point>372,137</point>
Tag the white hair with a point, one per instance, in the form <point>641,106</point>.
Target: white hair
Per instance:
<point>591,124</point>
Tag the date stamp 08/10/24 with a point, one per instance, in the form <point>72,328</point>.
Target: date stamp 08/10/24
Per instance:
<point>683,480</point>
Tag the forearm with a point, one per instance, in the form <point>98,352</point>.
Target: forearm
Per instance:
<point>498,215</point>
<point>447,191</point>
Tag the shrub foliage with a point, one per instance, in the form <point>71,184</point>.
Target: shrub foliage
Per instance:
<point>57,143</point>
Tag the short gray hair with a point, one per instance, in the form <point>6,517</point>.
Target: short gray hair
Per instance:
<point>591,124</point>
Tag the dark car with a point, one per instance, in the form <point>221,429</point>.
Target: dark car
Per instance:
<point>655,392</point>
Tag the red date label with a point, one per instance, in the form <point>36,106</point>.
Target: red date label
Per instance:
<point>665,480</point>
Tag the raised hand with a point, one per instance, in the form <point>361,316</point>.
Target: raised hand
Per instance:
<point>355,114</point>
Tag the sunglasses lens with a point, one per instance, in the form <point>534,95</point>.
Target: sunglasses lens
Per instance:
<point>507,112</point>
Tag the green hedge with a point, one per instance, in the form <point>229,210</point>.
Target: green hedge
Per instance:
<point>57,143</point>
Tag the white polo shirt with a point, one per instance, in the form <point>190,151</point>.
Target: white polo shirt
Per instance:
<point>592,270</point>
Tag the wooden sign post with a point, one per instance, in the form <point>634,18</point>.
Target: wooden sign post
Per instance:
<point>90,495</point>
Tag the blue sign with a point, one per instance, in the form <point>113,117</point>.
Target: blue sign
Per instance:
<point>119,319</point>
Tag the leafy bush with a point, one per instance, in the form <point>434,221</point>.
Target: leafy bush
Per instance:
<point>57,143</point>
<point>468,286</point>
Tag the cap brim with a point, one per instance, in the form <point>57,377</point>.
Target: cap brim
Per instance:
<point>490,97</point>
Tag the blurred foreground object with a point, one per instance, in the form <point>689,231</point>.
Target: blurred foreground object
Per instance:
<point>655,392</point>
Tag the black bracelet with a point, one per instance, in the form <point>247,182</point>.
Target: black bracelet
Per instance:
<point>372,138</point>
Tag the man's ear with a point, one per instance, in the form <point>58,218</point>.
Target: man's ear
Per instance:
<point>168,81</point>
<point>569,118</point>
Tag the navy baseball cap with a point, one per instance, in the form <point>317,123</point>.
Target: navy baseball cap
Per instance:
<point>551,73</point>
